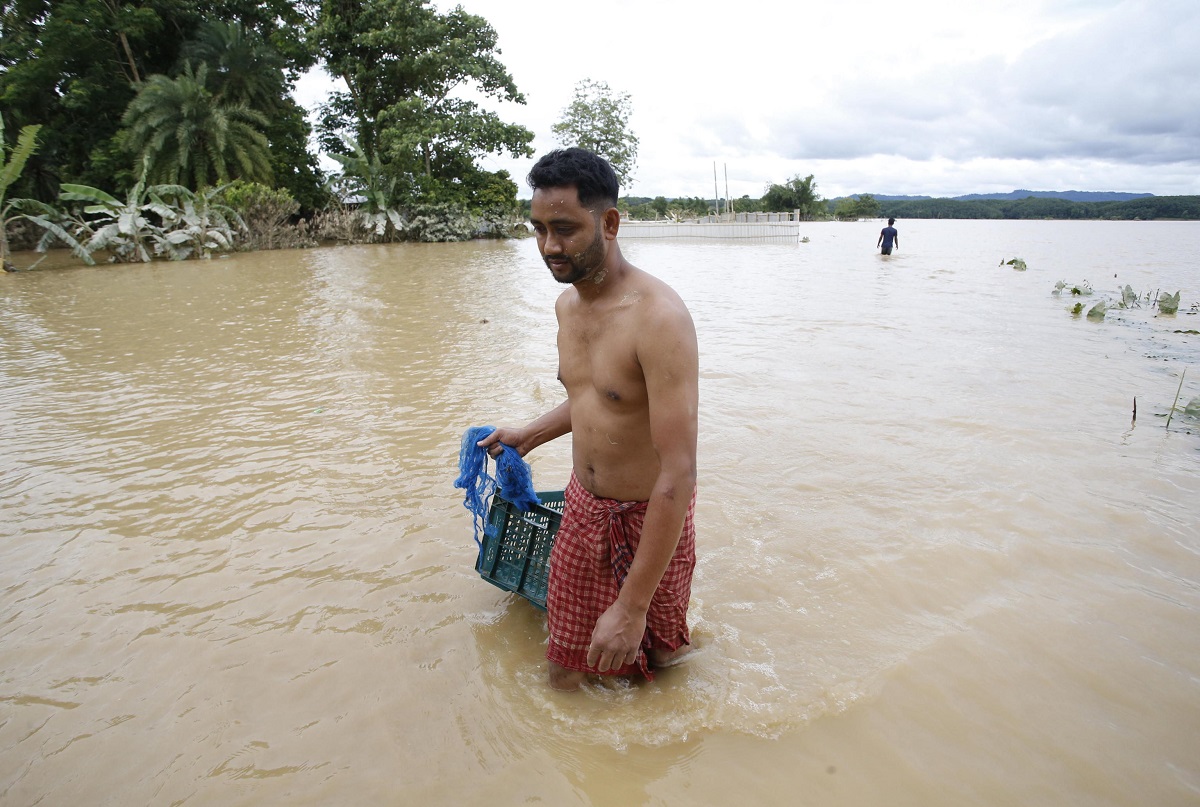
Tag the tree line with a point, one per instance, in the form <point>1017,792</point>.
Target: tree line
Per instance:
<point>800,194</point>
<point>1032,207</point>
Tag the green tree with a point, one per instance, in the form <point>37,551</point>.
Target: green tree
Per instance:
<point>184,134</point>
<point>795,194</point>
<point>868,206</point>
<point>597,119</point>
<point>865,206</point>
<point>404,64</point>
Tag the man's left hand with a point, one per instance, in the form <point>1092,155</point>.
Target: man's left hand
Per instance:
<point>616,638</point>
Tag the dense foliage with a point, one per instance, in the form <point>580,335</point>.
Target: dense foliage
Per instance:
<point>75,67</point>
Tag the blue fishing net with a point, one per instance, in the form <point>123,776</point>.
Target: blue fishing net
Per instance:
<point>513,477</point>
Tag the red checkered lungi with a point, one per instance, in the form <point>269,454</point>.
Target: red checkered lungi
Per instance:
<point>593,550</point>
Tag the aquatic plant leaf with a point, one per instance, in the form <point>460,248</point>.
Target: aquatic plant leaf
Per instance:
<point>1169,303</point>
<point>1129,297</point>
<point>1018,264</point>
<point>1193,408</point>
<point>1098,310</point>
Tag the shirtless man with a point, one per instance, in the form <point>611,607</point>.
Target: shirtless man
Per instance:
<point>618,594</point>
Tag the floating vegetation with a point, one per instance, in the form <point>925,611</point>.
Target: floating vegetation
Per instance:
<point>1129,297</point>
<point>1098,311</point>
<point>1077,309</point>
<point>1015,263</point>
<point>1077,290</point>
<point>1168,303</point>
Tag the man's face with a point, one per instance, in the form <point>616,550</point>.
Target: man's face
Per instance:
<point>569,235</point>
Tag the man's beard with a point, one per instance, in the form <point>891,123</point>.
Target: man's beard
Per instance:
<point>581,263</point>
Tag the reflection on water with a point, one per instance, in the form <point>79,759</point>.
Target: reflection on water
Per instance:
<point>935,556</point>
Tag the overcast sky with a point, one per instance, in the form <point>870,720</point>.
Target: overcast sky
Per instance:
<point>925,97</point>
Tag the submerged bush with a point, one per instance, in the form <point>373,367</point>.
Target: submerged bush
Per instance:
<point>267,213</point>
<point>439,223</point>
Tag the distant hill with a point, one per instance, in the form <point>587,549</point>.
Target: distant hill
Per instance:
<point>1073,196</point>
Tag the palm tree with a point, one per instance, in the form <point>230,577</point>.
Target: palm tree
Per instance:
<point>188,135</point>
<point>243,67</point>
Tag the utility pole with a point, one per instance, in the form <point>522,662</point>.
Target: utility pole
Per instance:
<point>728,198</point>
<point>716,193</point>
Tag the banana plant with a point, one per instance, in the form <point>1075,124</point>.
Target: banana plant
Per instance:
<point>56,226</point>
<point>123,228</point>
<point>196,225</point>
<point>367,179</point>
<point>11,166</point>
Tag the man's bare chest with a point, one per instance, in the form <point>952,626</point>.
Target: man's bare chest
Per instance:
<point>601,356</point>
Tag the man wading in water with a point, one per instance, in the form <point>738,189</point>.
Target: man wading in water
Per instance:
<point>621,566</point>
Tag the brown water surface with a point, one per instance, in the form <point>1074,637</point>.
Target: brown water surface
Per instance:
<point>939,565</point>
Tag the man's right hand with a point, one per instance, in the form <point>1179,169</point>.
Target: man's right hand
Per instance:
<point>507,436</point>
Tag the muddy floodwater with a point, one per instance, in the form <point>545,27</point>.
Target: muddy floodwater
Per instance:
<point>940,562</point>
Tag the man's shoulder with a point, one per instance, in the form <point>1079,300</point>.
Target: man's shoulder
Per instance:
<point>653,286</point>
<point>659,300</point>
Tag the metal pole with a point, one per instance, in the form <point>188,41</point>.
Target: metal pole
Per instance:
<point>716,193</point>
<point>728,198</point>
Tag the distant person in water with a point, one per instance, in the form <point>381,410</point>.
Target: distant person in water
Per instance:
<point>888,237</point>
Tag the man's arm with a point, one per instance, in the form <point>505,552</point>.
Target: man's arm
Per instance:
<point>549,426</point>
<point>879,243</point>
<point>669,357</point>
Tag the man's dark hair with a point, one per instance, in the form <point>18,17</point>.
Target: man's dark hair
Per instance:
<point>891,222</point>
<point>592,176</point>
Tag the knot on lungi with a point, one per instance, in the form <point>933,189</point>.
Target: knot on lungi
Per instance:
<point>622,536</point>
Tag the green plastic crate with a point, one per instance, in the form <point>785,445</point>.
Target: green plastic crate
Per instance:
<point>516,545</point>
